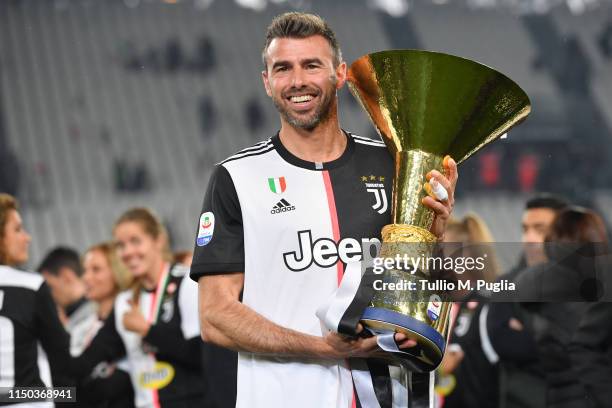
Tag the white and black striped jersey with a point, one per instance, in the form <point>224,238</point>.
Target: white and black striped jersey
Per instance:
<point>165,366</point>
<point>291,225</point>
<point>476,375</point>
<point>109,384</point>
<point>28,317</point>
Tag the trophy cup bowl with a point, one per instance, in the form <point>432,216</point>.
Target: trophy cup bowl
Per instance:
<point>426,105</point>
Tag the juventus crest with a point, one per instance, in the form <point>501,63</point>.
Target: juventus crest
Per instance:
<point>375,186</point>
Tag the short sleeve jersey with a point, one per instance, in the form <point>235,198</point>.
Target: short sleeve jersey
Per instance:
<point>291,225</point>
<point>28,317</point>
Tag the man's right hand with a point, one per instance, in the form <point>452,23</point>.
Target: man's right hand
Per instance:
<point>341,346</point>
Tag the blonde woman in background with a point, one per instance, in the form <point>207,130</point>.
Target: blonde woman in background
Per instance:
<point>477,241</point>
<point>469,375</point>
<point>105,276</point>
<point>155,324</point>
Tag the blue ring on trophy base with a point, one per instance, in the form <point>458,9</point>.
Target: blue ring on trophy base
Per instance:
<point>386,319</point>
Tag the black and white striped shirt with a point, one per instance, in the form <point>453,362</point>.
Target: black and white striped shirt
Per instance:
<point>28,317</point>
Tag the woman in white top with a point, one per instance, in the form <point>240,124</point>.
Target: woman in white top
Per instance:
<point>154,325</point>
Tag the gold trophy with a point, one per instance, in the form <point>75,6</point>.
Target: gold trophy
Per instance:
<point>426,105</point>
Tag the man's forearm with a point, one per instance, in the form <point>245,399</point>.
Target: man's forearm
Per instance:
<point>227,322</point>
<point>240,328</point>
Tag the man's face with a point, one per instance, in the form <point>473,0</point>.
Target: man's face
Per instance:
<point>301,80</point>
<point>62,286</point>
<point>536,222</point>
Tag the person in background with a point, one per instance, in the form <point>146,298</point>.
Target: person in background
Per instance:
<point>574,240</point>
<point>62,271</point>
<point>105,277</point>
<point>540,211</point>
<point>154,325</point>
<point>183,257</point>
<point>469,372</point>
<point>28,315</point>
<point>590,351</point>
<point>521,380</point>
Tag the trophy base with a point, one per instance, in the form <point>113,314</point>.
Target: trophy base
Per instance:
<point>428,352</point>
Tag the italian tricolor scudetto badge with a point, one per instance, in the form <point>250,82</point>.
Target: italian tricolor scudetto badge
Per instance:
<point>277,184</point>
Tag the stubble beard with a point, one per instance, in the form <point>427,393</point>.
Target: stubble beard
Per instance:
<point>321,114</point>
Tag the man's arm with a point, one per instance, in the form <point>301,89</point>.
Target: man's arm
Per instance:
<point>509,337</point>
<point>53,338</point>
<point>226,322</point>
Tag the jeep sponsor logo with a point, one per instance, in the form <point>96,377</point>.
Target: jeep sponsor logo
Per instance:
<point>325,252</point>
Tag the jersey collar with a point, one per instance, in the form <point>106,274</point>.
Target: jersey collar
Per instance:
<point>296,161</point>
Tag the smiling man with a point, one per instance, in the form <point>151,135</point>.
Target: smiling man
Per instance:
<point>284,218</point>
<point>308,98</point>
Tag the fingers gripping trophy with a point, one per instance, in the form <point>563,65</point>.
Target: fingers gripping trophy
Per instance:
<point>425,106</point>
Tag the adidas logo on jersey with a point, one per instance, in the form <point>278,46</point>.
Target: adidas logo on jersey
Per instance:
<point>281,207</point>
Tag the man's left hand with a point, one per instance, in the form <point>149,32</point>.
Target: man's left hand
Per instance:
<point>442,209</point>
